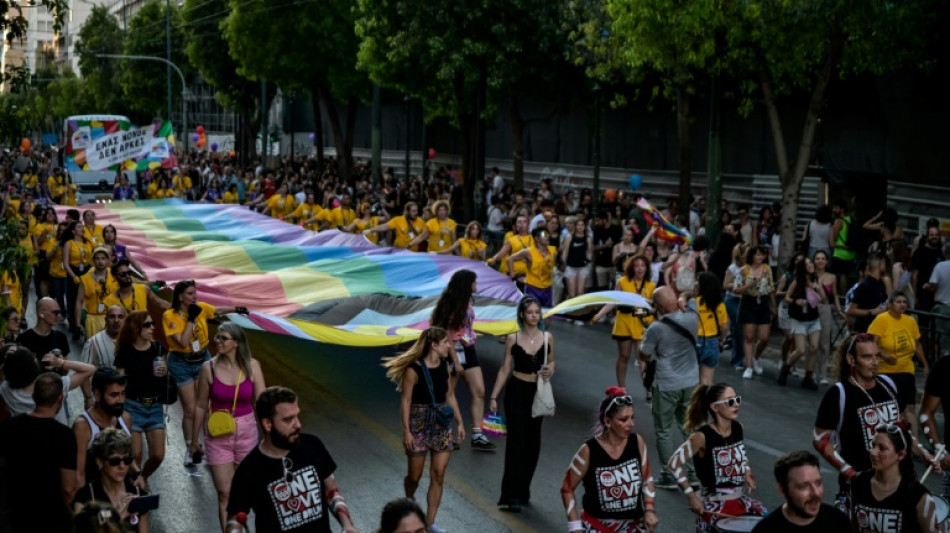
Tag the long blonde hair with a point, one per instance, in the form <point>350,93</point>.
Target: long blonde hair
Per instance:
<point>396,366</point>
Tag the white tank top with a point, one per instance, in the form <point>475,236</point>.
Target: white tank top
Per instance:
<point>94,428</point>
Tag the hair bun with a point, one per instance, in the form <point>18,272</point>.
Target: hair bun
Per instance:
<point>615,391</point>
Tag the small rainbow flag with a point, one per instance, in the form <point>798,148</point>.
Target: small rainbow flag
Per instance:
<point>665,230</point>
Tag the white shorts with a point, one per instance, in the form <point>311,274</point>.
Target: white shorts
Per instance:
<point>805,328</point>
<point>574,272</point>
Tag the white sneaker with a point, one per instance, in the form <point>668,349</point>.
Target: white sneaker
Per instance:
<point>747,374</point>
<point>757,365</point>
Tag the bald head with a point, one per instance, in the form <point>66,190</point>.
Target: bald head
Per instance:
<point>664,300</point>
<point>47,312</point>
<point>45,305</point>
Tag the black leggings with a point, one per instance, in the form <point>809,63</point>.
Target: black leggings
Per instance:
<point>524,442</point>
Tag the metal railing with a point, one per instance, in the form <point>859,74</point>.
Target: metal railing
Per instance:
<point>929,332</point>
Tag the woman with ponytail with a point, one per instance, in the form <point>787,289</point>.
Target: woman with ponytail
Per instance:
<point>718,454</point>
<point>615,457</point>
<point>422,433</point>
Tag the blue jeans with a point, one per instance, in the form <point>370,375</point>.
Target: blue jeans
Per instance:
<point>738,342</point>
<point>669,413</point>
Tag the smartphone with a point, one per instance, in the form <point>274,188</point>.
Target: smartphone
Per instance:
<point>144,504</point>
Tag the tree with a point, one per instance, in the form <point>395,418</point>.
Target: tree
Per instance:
<point>144,82</point>
<point>101,34</point>
<point>303,46</point>
<point>207,51</point>
<point>462,59</point>
<point>781,47</point>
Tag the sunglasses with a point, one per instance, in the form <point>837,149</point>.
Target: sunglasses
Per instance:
<point>148,324</point>
<point>619,401</point>
<point>893,429</point>
<point>222,338</point>
<point>731,402</point>
<point>288,466</point>
<point>115,461</point>
<point>859,337</point>
<point>187,283</point>
<point>123,274</point>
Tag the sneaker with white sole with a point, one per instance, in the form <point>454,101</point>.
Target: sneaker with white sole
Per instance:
<point>757,365</point>
<point>747,374</point>
<point>481,442</point>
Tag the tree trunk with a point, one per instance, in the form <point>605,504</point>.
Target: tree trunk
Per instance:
<point>685,150</point>
<point>467,145</point>
<point>351,108</point>
<point>343,159</point>
<point>318,128</point>
<point>714,165</point>
<point>517,141</point>
<point>792,177</point>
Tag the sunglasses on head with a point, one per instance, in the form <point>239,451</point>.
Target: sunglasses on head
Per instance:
<point>730,402</point>
<point>859,337</point>
<point>115,461</point>
<point>619,401</point>
<point>893,429</point>
<point>187,283</point>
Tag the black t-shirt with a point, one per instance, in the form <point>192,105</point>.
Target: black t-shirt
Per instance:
<point>93,491</point>
<point>440,383</point>
<point>41,345</point>
<point>869,294</point>
<point>937,385</point>
<point>35,450</point>
<point>612,487</point>
<point>897,512</point>
<point>723,464</point>
<point>924,260</point>
<point>828,519</point>
<point>279,505</point>
<point>137,364</point>
<point>603,257</point>
<point>861,416</point>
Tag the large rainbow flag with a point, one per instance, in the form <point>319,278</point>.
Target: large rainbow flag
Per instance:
<point>330,287</point>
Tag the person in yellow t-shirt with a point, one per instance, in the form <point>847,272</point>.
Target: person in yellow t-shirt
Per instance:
<point>631,322</point>
<point>151,192</point>
<point>440,230</point>
<point>181,184</point>
<point>77,258</point>
<point>71,195</point>
<point>713,325</point>
<point>540,260</point>
<point>366,220</point>
<point>95,286</point>
<point>281,205</point>
<point>404,227</point>
<point>308,213</point>
<point>186,332</point>
<point>29,180</point>
<point>898,338</point>
<point>91,231</point>
<point>44,234</point>
<point>12,290</point>
<point>514,243</point>
<point>471,245</point>
<point>57,186</point>
<point>231,195</point>
<point>343,215</point>
<point>131,296</point>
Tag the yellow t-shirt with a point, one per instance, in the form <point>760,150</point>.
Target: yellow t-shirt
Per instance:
<point>181,184</point>
<point>707,322</point>
<point>471,249</point>
<point>95,293</point>
<point>70,195</point>
<point>644,288</point>
<point>165,193</point>
<point>152,191</point>
<point>94,236</point>
<point>79,253</point>
<point>441,234</point>
<point>137,302</point>
<point>539,273</point>
<point>56,263</point>
<point>341,217</point>
<point>45,237</point>
<point>281,207</point>
<point>517,243</point>
<point>305,212</point>
<point>174,323</point>
<point>57,187</point>
<point>231,198</point>
<point>360,225</point>
<point>29,180</point>
<point>897,337</point>
<point>11,285</point>
<point>404,232</point>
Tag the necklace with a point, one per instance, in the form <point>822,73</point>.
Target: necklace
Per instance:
<point>533,338</point>
<point>858,385</point>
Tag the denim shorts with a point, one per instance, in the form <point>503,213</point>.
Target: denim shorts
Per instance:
<point>184,372</point>
<point>707,349</point>
<point>145,418</point>
<point>806,327</point>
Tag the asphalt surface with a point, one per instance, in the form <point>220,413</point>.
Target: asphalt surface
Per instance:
<point>348,402</point>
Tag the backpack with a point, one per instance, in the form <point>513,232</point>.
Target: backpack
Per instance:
<point>889,386</point>
<point>685,275</point>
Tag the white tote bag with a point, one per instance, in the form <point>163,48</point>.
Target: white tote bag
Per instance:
<point>543,404</point>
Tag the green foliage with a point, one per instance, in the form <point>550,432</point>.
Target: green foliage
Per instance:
<point>101,34</point>
<point>14,258</point>
<point>207,50</point>
<point>144,82</point>
<point>13,24</point>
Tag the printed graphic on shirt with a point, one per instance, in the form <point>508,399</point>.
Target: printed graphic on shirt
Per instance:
<point>298,501</point>
<point>871,416</point>
<point>729,464</point>
<point>903,342</point>
<point>874,520</point>
<point>618,486</point>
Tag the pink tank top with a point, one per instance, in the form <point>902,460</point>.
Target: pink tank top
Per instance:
<point>222,395</point>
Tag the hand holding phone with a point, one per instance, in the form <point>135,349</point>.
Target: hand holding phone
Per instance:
<point>143,504</point>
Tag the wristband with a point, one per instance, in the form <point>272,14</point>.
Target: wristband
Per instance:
<point>575,525</point>
<point>688,490</point>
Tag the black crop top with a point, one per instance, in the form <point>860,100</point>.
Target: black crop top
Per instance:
<point>524,362</point>
<point>440,383</point>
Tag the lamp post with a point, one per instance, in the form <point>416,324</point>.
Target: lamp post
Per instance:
<point>184,88</point>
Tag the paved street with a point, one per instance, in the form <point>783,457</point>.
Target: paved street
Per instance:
<point>348,402</point>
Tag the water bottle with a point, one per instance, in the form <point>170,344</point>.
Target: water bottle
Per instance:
<point>157,365</point>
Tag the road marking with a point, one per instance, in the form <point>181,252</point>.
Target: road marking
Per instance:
<point>458,484</point>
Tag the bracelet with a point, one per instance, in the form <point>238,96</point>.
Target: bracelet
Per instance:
<point>688,490</point>
<point>575,525</point>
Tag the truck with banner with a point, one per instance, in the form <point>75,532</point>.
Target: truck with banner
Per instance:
<point>99,146</point>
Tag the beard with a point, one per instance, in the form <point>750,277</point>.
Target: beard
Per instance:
<point>114,409</point>
<point>284,442</point>
<point>801,511</point>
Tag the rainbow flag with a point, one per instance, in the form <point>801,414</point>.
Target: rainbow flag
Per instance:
<point>665,230</point>
<point>331,287</point>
